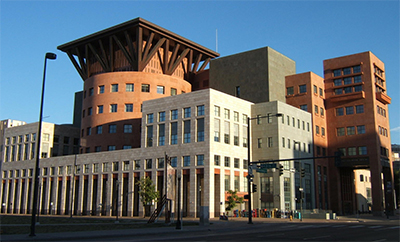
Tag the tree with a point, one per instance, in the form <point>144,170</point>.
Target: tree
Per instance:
<point>147,192</point>
<point>233,198</point>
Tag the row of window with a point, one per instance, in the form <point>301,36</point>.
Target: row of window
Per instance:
<point>378,71</point>
<point>382,131</point>
<point>227,162</point>
<point>321,92</point>
<point>300,123</point>
<point>381,111</point>
<point>318,131</point>
<point>347,71</point>
<point>346,90</point>
<point>349,110</point>
<point>129,87</point>
<point>227,114</point>
<point>350,130</point>
<point>112,129</point>
<point>186,113</point>
<point>351,151</point>
<point>347,80</point>
<point>23,138</point>
<point>301,89</point>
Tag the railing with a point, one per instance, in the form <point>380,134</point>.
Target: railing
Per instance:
<point>158,210</point>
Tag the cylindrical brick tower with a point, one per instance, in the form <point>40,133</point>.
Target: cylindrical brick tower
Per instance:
<point>123,66</point>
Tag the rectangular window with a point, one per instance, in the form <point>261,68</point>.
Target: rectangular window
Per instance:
<point>186,131</point>
<point>337,72</point>
<point>88,131</point>
<point>227,161</point>
<point>357,79</point>
<point>236,116</point>
<point>340,131</point>
<point>187,112</point>
<point>359,108</point>
<point>128,128</point>
<point>338,91</point>
<point>259,143</point>
<point>129,87</point>
<point>160,89</point>
<point>316,129</point>
<point>315,89</point>
<point>289,91</point>
<point>113,108</point>
<point>145,88</point>
<point>346,71</point>
<point>351,151</point>
<point>174,114</point>
<point>127,147</point>
<point>237,91</point>
<point>99,129</point>
<point>270,143</point>
<point>174,133</point>
<point>150,118</point>
<point>200,110</point>
<point>236,134</point>
<point>316,109</point>
<point>200,160</point>
<point>216,130</point>
<point>236,163</point>
<point>227,182</point>
<point>348,89</point>
<point>114,88</point>
<point>351,130</point>
<point>245,129</point>
<point>217,160</point>
<point>347,80</point>
<point>358,88</point>
<point>226,132</point>
<point>349,110</point>
<point>160,163</point>
<point>322,131</point>
<point>362,150</point>
<point>244,118</point>
<point>174,161</point>
<point>302,107</point>
<point>90,111</point>
<point>129,107</point>
<point>173,92</point>
<point>356,69</point>
<point>321,92</point>
<point>303,88</point>
<point>149,163</point>
<point>161,116</point>
<point>101,89</point>
<point>112,128</point>
<point>186,161</point>
<point>226,113</point>
<point>149,136</point>
<point>321,111</point>
<point>100,109</point>
<point>111,147</point>
<point>200,129</point>
<point>216,111</point>
<point>361,129</point>
<point>339,111</point>
<point>337,82</point>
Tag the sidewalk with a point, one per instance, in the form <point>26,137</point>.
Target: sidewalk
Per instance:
<point>215,224</point>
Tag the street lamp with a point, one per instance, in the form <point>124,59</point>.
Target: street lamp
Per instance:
<point>179,222</point>
<point>250,173</point>
<point>50,56</point>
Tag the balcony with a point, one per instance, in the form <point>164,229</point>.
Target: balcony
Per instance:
<point>382,97</point>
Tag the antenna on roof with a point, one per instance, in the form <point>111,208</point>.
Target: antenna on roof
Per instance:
<point>216,40</point>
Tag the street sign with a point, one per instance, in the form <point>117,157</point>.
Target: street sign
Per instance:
<point>262,170</point>
<point>268,166</point>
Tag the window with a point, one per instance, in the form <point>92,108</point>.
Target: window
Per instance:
<point>359,108</point>
<point>351,130</point>
<point>347,80</point>
<point>321,92</point>
<point>216,130</point>
<point>148,163</point>
<point>113,108</point>
<point>315,89</point>
<point>337,82</point>
<point>186,161</point>
<point>303,107</point>
<point>289,91</point>
<point>161,116</point>
<point>200,160</point>
<point>358,88</point>
<point>316,109</point>
<point>348,90</point>
<point>236,116</point>
<point>129,107</point>
<point>174,161</point>
<point>349,110</point>
<point>114,88</point>
<point>356,69</point>
<point>111,147</point>
<point>88,131</point>
<point>339,111</point>
<point>322,131</point>
<point>346,71</point>
<point>112,128</point>
<point>351,151</point>
<point>259,143</point>
<point>128,128</point>
<point>90,111</point>
<point>362,150</point>
<point>160,163</point>
<point>200,129</point>
<point>244,117</point>
<point>101,89</point>
<point>227,161</point>
<point>337,72</point>
<point>186,131</point>
<point>173,91</point>
<point>270,143</point>
<point>174,133</point>
<point>361,129</point>
<point>126,165</point>
<point>99,129</point>
<point>200,110</point>
<point>236,134</point>
<point>302,88</point>
<point>226,113</point>
<point>187,112</point>
<point>149,136</point>
<point>160,89</point>
<point>100,109</point>
<point>227,182</point>
<point>236,163</point>
<point>237,91</point>
<point>145,88</point>
<point>129,87</point>
<point>338,91</point>
<point>340,131</point>
<point>150,118</point>
<point>217,111</point>
<point>226,132</point>
<point>127,147</point>
<point>321,111</point>
<point>216,160</point>
<point>174,114</point>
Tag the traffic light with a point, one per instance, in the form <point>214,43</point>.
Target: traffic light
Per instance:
<point>281,170</point>
<point>303,172</point>
<point>254,187</point>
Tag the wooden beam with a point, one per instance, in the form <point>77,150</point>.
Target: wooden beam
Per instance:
<point>178,61</point>
<point>105,56</point>
<point>98,58</point>
<point>76,65</point>
<point>153,51</point>
<point>139,47</point>
<point>196,64</point>
<point>124,51</point>
<point>206,61</point>
<point>149,44</point>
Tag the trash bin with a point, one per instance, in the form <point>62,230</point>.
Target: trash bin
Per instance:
<point>327,216</point>
<point>334,216</point>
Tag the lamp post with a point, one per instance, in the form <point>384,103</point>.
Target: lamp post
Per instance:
<point>178,222</point>
<point>50,56</point>
<point>250,173</point>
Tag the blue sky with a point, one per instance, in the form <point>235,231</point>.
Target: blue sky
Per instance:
<point>305,31</point>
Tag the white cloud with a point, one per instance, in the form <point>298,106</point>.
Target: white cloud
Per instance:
<point>397,129</point>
